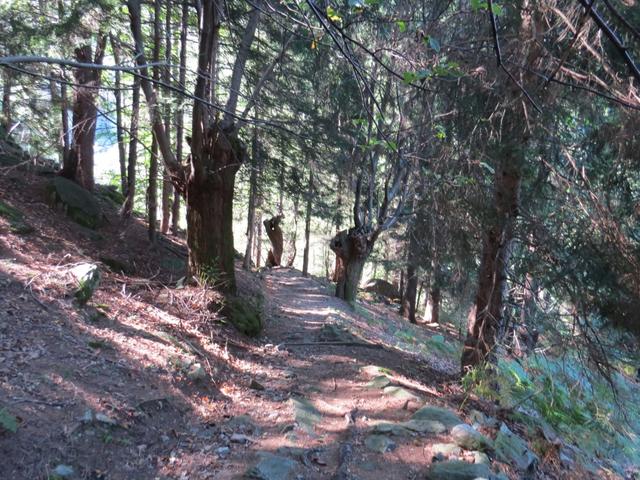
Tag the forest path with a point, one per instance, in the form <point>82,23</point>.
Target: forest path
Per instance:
<point>327,421</point>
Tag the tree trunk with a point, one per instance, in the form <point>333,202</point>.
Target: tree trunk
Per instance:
<point>79,163</point>
<point>6,98</point>
<point>152,186</point>
<point>294,235</point>
<point>210,208</point>
<point>307,227</point>
<point>122,154</point>
<point>404,307</point>
<point>64,112</point>
<point>434,305</point>
<point>167,186</point>
<point>353,247</point>
<point>182,75</point>
<point>410,294</point>
<point>253,193</point>
<point>129,200</point>
<point>258,252</point>
<point>486,316</point>
<point>274,232</point>
<point>337,268</point>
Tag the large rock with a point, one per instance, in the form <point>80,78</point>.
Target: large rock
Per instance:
<point>382,288</point>
<point>15,218</point>
<point>271,467</point>
<point>379,443</point>
<point>244,315</point>
<point>87,277</point>
<point>78,204</point>
<point>441,417</point>
<point>469,438</point>
<point>512,449</point>
<point>306,414</point>
<point>458,470</point>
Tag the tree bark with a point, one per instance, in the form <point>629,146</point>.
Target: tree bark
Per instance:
<point>167,186</point>
<point>79,163</point>
<point>64,112</point>
<point>6,98</point>
<point>274,232</point>
<point>307,227</point>
<point>129,200</point>
<point>152,186</point>
<point>434,305</point>
<point>258,252</point>
<point>486,316</point>
<point>353,247</point>
<point>182,75</point>
<point>253,193</point>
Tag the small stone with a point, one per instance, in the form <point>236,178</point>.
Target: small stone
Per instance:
<point>255,385</point>
<point>379,443</point>
<point>513,450</point>
<point>240,438</point>
<point>196,372</point>
<point>401,393</point>
<point>380,381</point>
<point>271,467</point>
<point>469,438</point>
<point>446,449</point>
<point>63,471</point>
<point>87,276</point>
<point>436,414</point>
<point>223,451</point>
<point>481,457</point>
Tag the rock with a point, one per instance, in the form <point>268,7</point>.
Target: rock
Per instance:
<point>244,315</point>
<point>240,438</point>
<point>223,451</point>
<point>331,332</point>
<point>255,385</point>
<point>382,288</point>
<point>424,426</point>
<point>306,414</point>
<point>380,382</point>
<point>480,419</point>
<point>513,450</point>
<point>63,471</point>
<point>446,449</point>
<point>391,428</point>
<point>196,372</point>
<point>79,204</point>
<point>469,438</point>
<point>481,457</point>
<point>374,371</point>
<point>271,467</point>
<point>379,443</point>
<point>445,417</point>
<point>87,276</point>
<point>243,423</point>
<point>457,470</point>
<point>401,393</point>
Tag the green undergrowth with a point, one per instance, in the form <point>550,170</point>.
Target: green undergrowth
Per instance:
<point>562,397</point>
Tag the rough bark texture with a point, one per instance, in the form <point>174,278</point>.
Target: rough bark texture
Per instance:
<point>210,207</point>
<point>353,246</point>
<point>433,305</point>
<point>152,186</point>
<point>411,291</point>
<point>274,232</point>
<point>486,316</point>
<point>167,187</point>
<point>78,164</point>
<point>122,153</point>
<point>6,98</point>
<point>179,113</point>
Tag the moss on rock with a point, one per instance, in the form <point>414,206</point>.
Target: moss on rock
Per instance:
<point>244,315</point>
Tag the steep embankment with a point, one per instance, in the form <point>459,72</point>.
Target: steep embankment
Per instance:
<point>146,382</point>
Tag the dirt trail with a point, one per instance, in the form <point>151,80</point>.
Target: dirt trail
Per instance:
<point>330,404</point>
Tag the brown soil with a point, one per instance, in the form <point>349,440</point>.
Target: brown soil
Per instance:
<point>126,356</point>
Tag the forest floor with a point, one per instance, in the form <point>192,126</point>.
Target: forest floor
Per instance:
<point>145,382</point>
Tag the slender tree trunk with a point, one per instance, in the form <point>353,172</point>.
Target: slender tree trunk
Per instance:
<point>258,252</point>
<point>434,304</point>
<point>337,268</point>
<point>281,190</point>
<point>404,307</point>
<point>6,98</point>
<point>79,163</point>
<point>182,75</point>
<point>64,113</point>
<point>129,201</point>
<point>307,227</point>
<point>294,234</point>
<point>253,193</point>
<point>486,317</point>
<point>167,186</point>
<point>122,154</point>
